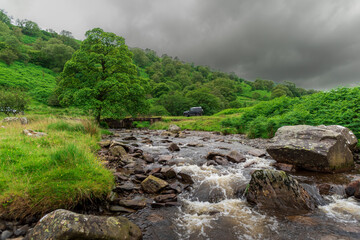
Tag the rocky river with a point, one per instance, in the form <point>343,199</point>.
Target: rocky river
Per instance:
<point>214,206</point>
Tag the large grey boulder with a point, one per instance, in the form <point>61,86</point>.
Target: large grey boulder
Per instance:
<point>277,191</point>
<point>174,128</point>
<point>321,148</point>
<point>65,225</point>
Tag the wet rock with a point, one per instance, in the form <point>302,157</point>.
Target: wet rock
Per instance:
<point>207,192</point>
<point>324,189</point>
<point>118,151</point>
<point>140,177</point>
<point>257,153</point>
<point>115,143</point>
<point>174,128</point>
<point>157,205</point>
<point>116,208</point>
<point>131,138</point>
<point>235,157</point>
<point>277,191</point>
<point>136,203</point>
<point>62,224</point>
<point>353,189</point>
<point>166,134</point>
<point>168,172</point>
<point>2,225</point>
<point>321,148</point>
<point>153,184</point>
<point>148,158</point>
<point>195,145</point>
<point>176,187</point>
<point>285,167</point>
<point>164,159</point>
<point>185,177</point>
<point>173,147</point>
<point>211,162</point>
<point>154,170</point>
<point>165,198</point>
<point>120,177</point>
<point>31,133</point>
<point>172,204</point>
<point>6,235</point>
<point>221,160</point>
<point>22,230</point>
<point>212,155</point>
<point>127,186</point>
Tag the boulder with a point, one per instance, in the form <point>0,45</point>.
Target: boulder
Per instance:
<point>235,157</point>
<point>153,184</point>
<point>174,128</point>
<point>212,155</point>
<point>320,149</point>
<point>173,147</point>
<point>353,189</point>
<point>118,151</point>
<point>65,225</point>
<point>166,198</point>
<point>186,177</point>
<point>277,191</point>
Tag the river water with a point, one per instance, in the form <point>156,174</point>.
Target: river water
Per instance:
<point>215,208</point>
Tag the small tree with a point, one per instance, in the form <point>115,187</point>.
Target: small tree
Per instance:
<point>101,77</point>
<point>12,101</point>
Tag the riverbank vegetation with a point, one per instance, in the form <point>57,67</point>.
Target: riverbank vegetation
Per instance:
<point>59,170</point>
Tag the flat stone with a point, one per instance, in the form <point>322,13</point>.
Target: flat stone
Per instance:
<point>148,158</point>
<point>153,184</point>
<point>165,198</point>
<point>133,203</point>
<point>235,157</point>
<point>131,138</point>
<point>285,167</point>
<point>257,153</point>
<point>116,208</point>
<point>164,159</point>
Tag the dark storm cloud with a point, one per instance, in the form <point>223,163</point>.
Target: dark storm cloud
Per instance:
<point>312,43</point>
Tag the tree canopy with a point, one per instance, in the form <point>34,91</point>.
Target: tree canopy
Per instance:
<point>101,77</point>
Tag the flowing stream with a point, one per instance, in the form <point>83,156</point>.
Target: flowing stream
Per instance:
<point>215,208</point>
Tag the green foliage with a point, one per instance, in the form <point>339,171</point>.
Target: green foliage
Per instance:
<point>337,107</point>
<point>101,77</point>
<point>38,81</point>
<point>12,101</point>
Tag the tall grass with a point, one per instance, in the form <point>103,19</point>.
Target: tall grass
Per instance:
<point>60,170</point>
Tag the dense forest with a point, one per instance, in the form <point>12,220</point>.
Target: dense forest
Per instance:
<point>32,60</point>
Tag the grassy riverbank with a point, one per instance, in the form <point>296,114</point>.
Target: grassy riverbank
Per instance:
<point>59,170</point>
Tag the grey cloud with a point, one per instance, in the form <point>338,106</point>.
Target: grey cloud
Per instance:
<point>312,43</point>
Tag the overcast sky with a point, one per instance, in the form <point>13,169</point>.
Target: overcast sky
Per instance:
<point>314,43</point>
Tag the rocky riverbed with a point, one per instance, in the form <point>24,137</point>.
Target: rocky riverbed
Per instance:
<point>192,185</point>
<point>212,205</point>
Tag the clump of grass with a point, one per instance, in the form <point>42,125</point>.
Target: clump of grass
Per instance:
<point>60,170</point>
<point>84,126</point>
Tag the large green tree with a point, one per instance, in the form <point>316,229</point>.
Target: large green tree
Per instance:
<point>101,77</point>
